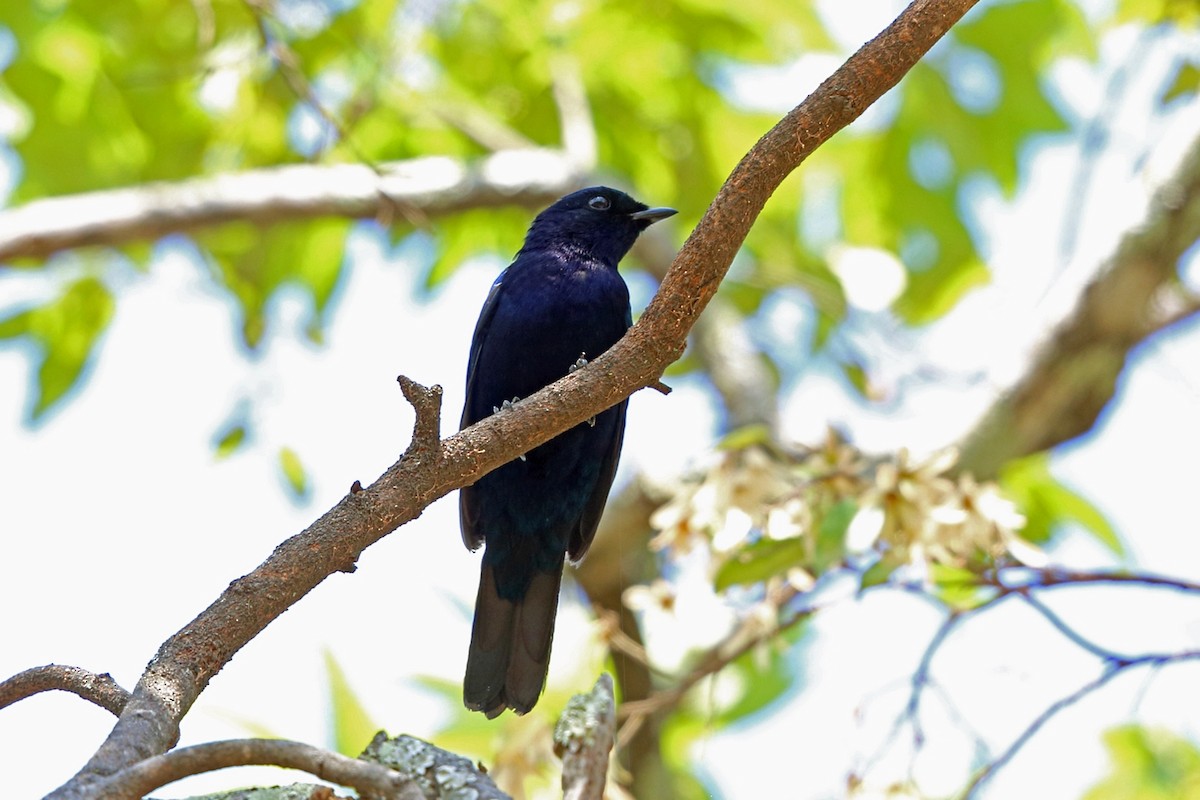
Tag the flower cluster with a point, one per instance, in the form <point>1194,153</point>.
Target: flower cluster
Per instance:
<point>836,502</point>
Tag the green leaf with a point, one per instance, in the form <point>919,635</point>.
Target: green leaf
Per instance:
<point>759,561</point>
<point>294,473</point>
<point>1047,503</point>
<point>486,231</point>
<point>253,262</point>
<point>65,331</point>
<point>1183,13</point>
<point>856,375</point>
<point>959,587</point>
<point>1148,764</point>
<point>353,727</point>
<point>831,535</point>
<point>877,574</point>
<point>746,436</point>
<point>230,440</point>
<point>763,684</point>
<point>1185,84</point>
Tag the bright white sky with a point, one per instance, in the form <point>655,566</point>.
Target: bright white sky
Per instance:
<point>120,524</point>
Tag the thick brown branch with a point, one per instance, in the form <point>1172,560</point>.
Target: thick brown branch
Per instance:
<point>99,689</point>
<point>189,659</point>
<point>435,185</point>
<point>1074,375</point>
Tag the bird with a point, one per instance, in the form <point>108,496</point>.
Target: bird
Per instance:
<point>559,304</point>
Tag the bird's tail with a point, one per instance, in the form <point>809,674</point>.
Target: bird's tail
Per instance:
<point>510,644</point>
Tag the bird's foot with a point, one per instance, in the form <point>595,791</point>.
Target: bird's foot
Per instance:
<point>579,364</point>
<point>505,406</point>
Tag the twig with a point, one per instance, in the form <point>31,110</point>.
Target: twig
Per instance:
<point>427,402</point>
<point>1111,670</point>
<point>1072,635</point>
<point>583,739</point>
<point>138,780</point>
<point>1053,578</point>
<point>282,54</point>
<point>745,636</point>
<point>99,689</point>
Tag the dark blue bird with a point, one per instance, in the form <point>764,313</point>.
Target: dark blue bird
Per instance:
<point>558,305</point>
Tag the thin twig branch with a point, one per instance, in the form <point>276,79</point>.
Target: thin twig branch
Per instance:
<point>745,636</point>
<point>144,777</point>
<point>1016,577</point>
<point>99,689</point>
<point>1112,670</point>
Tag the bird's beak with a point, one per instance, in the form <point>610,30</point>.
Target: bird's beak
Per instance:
<point>652,215</point>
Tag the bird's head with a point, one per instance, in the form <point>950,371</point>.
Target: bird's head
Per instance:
<point>600,221</point>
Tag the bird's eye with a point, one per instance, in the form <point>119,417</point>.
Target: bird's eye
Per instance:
<point>599,202</point>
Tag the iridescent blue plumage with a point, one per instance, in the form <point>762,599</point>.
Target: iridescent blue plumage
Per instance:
<point>560,300</point>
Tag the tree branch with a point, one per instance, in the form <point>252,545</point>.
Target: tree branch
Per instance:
<point>1075,372</point>
<point>583,738</point>
<point>138,780</point>
<point>99,689</point>
<point>435,185</point>
<point>186,662</point>
<point>436,773</point>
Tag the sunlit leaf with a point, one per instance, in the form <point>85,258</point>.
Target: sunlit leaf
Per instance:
<point>759,561</point>
<point>1047,503</point>
<point>65,332</point>
<point>958,587</point>
<point>1185,84</point>
<point>294,473</point>
<point>1148,764</point>
<point>746,436</point>
<point>831,534</point>
<point>877,574</point>
<point>230,440</point>
<point>352,727</point>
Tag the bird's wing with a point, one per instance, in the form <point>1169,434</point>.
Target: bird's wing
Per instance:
<point>468,511</point>
<point>581,537</point>
<point>481,331</point>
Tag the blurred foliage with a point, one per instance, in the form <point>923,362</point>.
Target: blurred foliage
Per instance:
<point>1148,764</point>
<point>294,474</point>
<point>63,332</point>
<point>351,725</point>
<point>1048,504</point>
<point>166,91</point>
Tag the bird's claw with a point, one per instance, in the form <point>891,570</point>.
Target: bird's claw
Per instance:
<point>580,363</point>
<point>505,406</point>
